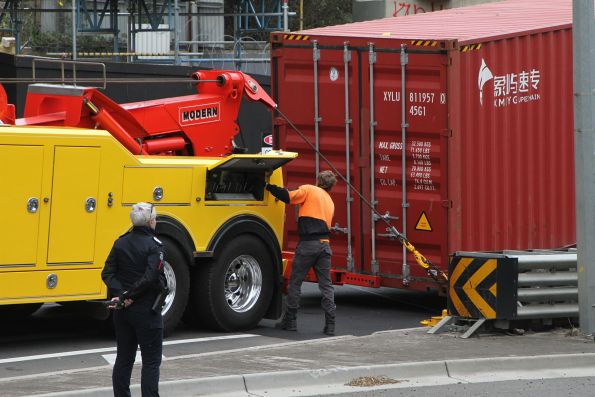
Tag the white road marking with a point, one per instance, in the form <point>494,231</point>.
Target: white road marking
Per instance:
<point>198,355</point>
<point>113,349</point>
<point>264,347</point>
<point>292,359</point>
<point>111,358</point>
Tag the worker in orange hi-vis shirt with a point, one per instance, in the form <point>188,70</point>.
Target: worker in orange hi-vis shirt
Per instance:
<point>313,249</point>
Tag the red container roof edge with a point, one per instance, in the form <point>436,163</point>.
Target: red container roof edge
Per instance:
<point>473,24</point>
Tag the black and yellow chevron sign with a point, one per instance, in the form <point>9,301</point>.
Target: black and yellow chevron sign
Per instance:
<point>470,47</point>
<point>298,37</point>
<point>481,287</point>
<point>424,43</point>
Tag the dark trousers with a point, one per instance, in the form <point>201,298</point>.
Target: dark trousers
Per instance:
<point>314,254</point>
<point>133,329</point>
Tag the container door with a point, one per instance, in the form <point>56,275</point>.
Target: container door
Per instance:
<point>317,88</point>
<point>74,205</point>
<point>408,176</point>
<point>20,175</point>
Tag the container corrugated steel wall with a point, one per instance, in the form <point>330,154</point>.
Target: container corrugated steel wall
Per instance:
<point>511,158</point>
<point>489,146</point>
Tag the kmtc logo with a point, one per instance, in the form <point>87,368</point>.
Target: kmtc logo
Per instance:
<point>199,114</point>
<point>510,88</point>
<point>485,75</point>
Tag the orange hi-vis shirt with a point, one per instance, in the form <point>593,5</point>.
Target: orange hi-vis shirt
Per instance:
<point>316,210</point>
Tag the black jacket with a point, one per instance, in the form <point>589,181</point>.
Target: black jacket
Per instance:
<point>133,266</point>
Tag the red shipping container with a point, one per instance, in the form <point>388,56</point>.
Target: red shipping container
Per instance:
<point>487,158</point>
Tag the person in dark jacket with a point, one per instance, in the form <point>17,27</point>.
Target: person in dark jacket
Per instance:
<point>132,275</point>
<point>313,249</point>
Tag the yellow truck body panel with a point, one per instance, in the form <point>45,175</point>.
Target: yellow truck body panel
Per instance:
<point>66,196</point>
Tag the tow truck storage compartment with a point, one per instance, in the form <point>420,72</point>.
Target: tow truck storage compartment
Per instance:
<point>241,177</point>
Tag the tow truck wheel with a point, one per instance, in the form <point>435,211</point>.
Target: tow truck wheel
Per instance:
<point>233,292</point>
<point>178,281</point>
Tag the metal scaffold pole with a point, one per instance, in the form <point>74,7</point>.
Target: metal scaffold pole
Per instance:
<point>74,28</point>
<point>584,144</point>
<point>285,16</point>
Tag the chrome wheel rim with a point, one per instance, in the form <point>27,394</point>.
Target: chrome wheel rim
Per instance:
<point>243,283</point>
<point>170,276</point>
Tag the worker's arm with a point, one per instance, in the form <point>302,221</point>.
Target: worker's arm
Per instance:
<point>278,192</point>
<point>108,275</point>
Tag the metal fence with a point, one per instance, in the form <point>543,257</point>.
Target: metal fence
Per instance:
<point>191,33</point>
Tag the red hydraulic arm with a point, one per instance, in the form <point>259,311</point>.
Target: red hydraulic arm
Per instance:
<point>202,124</point>
<point>7,113</point>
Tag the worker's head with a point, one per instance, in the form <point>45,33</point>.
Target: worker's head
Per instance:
<point>144,214</point>
<point>326,180</point>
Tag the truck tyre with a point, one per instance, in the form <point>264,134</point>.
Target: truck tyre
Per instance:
<point>178,280</point>
<point>233,292</point>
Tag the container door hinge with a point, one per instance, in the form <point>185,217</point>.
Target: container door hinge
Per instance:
<point>446,203</point>
<point>446,133</point>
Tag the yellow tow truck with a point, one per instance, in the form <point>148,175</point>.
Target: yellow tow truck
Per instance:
<point>72,167</point>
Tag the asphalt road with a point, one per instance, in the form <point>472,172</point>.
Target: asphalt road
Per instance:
<point>60,337</point>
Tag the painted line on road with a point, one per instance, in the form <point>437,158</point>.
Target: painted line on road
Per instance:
<point>138,359</point>
<point>262,347</point>
<point>54,373</point>
<point>113,349</point>
<point>390,331</point>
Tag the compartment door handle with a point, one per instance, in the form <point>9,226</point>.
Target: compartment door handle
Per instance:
<point>33,205</point>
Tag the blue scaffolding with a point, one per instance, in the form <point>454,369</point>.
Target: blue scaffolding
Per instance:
<point>101,17</point>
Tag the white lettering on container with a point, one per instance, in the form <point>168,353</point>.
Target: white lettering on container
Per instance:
<point>384,154</point>
<point>517,88</point>
<point>421,165</point>
<point>392,96</point>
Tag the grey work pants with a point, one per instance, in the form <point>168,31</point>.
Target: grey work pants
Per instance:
<point>314,254</point>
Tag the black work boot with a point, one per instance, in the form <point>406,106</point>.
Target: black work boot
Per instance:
<point>289,321</point>
<point>329,324</point>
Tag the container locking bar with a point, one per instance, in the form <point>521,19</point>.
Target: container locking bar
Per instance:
<point>317,118</point>
<point>348,121</point>
<point>373,202</point>
<point>404,126</point>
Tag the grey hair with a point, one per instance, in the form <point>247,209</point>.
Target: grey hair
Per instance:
<point>326,180</point>
<point>142,214</point>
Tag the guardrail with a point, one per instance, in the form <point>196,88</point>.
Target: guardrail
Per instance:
<point>508,286</point>
<point>547,284</point>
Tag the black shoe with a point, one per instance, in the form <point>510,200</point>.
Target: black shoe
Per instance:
<point>289,321</point>
<point>329,324</point>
